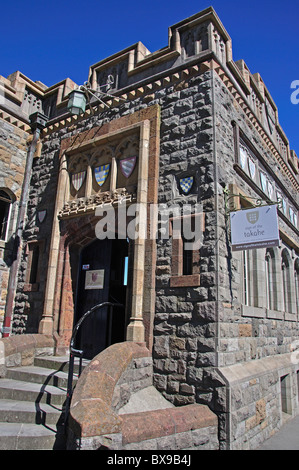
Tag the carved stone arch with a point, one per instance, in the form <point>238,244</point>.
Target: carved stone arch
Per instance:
<point>287,284</point>
<point>101,155</point>
<point>128,147</point>
<point>78,163</point>
<point>9,192</point>
<point>272,278</point>
<point>286,258</point>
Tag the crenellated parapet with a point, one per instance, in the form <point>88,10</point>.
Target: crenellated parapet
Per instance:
<point>20,97</point>
<point>196,44</point>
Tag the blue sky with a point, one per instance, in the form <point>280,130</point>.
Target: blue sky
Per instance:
<point>49,41</point>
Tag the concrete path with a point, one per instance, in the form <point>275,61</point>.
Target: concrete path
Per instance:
<point>146,399</point>
<point>287,438</point>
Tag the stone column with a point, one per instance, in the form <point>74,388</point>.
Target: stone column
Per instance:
<point>47,320</point>
<point>135,330</point>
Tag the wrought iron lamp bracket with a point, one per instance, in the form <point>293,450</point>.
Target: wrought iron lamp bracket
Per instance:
<point>98,94</point>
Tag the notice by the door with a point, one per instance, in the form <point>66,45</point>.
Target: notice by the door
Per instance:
<point>94,279</point>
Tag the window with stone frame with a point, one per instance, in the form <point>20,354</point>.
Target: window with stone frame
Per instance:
<point>5,209</point>
<point>250,261</point>
<point>246,274</point>
<point>185,265</point>
<point>286,280</point>
<point>296,271</point>
<point>271,280</point>
<point>251,270</point>
<point>34,257</point>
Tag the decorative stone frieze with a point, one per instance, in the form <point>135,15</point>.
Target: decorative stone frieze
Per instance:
<point>89,204</point>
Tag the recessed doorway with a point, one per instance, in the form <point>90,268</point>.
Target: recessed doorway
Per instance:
<point>102,277</point>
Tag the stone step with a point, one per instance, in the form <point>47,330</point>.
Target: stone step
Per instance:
<point>40,375</point>
<point>20,436</point>
<point>32,404</point>
<point>12,411</point>
<point>59,363</point>
<point>37,393</point>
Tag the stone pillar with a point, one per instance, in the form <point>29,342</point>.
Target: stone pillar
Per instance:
<point>47,322</point>
<point>135,330</point>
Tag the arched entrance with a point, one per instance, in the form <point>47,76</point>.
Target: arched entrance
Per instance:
<point>75,221</point>
<point>102,277</point>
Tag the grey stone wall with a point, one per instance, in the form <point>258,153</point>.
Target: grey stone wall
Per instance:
<point>251,333</point>
<point>29,298</point>
<point>13,151</point>
<point>266,333</point>
<point>184,322</point>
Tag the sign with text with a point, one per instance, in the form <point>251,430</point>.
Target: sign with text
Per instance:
<point>254,228</point>
<point>94,279</point>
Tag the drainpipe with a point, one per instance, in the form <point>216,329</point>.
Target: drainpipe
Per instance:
<point>37,123</point>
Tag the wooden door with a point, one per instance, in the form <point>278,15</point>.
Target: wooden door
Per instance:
<point>102,278</point>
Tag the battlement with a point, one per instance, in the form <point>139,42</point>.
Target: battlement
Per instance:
<point>198,43</point>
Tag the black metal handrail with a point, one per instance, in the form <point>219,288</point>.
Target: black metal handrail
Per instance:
<point>79,353</point>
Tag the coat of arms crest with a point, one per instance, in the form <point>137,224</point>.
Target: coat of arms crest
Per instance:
<point>101,173</point>
<point>77,179</point>
<point>252,217</point>
<point>186,184</point>
<point>127,166</point>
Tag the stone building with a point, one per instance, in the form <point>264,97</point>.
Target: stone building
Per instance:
<point>187,132</point>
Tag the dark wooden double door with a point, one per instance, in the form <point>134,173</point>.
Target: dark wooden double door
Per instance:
<point>103,274</point>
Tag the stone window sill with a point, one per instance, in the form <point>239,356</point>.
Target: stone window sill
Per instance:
<point>275,314</point>
<point>250,311</point>
<point>262,312</point>
<point>192,280</point>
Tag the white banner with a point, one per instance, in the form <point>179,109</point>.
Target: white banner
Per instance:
<point>254,228</point>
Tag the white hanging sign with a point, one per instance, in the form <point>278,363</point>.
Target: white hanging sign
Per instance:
<point>254,228</point>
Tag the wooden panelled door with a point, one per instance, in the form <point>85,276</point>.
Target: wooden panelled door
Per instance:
<point>103,275</point>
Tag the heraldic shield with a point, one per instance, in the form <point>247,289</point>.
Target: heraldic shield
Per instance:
<point>127,166</point>
<point>77,179</point>
<point>101,173</point>
<point>252,217</point>
<point>41,215</point>
<point>186,184</point>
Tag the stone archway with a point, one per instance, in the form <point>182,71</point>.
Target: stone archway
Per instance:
<point>77,225</point>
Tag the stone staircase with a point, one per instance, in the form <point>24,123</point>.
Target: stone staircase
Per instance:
<point>32,402</point>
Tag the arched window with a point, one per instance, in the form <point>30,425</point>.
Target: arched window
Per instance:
<point>297,283</point>
<point>269,271</point>
<point>5,208</point>
<point>286,280</point>
<point>250,278</point>
<point>246,296</point>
